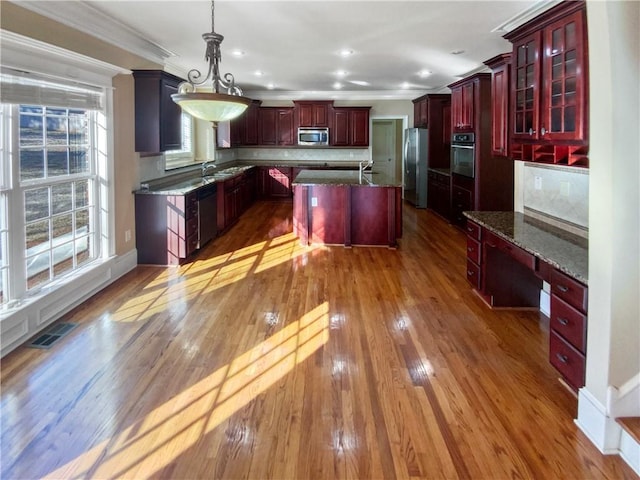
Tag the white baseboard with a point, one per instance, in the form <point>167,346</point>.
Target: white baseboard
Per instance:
<point>23,322</point>
<point>630,451</point>
<point>602,430</point>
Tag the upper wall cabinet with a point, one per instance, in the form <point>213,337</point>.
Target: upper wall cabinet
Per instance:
<point>550,87</point>
<point>276,126</point>
<point>312,113</point>
<point>350,127</point>
<point>500,66</point>
<point>158,117</point>
<point>242,131</point>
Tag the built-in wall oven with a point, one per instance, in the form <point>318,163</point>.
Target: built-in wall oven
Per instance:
<point>463,148</point>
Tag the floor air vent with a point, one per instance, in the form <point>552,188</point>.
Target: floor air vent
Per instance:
<point>51,336</point>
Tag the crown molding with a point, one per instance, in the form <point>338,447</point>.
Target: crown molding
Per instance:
<point>336,95</point>
<point>29,55</point>
<point>526,15</point>
<point>86,18</point>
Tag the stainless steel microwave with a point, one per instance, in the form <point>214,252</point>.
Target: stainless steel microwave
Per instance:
<point>313,136</point>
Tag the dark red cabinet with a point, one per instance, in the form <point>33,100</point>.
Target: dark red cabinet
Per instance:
<point>275,182</point>
<point>276,126</point>
<point>350,127</point>
<point>158,118</point>
<point>463,107</point>
<point>500,66</point>
<point>312,113</point>
<point>550,87</point>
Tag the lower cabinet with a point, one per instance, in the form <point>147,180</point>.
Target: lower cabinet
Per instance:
<point>568,328</point>
<point>275,182</point>
<point>166,228</point>
<point>505,275</point>
<point>439,193</point>
<point>235,195</point>
<point>461,200</point>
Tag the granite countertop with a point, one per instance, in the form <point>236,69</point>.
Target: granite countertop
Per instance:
<point>184,186</point>
<point>564,250</point>
<point>344,177</point>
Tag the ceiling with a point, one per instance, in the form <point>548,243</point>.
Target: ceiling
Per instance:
<point>399,49</point>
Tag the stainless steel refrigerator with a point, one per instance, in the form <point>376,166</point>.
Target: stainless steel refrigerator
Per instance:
<point>415,166</point>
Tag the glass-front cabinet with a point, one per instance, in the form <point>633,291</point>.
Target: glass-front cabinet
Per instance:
<point>549,87</point>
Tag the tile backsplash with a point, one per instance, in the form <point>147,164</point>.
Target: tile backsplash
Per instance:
<point>561,193</point>
<point>305,154</point>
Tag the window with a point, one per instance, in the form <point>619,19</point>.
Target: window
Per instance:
<point>186,155</point>
<point>49,190</point>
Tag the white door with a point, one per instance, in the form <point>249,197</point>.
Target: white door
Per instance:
<point>383,150</point>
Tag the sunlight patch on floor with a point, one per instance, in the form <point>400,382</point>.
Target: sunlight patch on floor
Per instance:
<point>159,438</point>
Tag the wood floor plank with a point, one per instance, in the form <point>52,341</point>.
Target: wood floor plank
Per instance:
<point>262,358</point>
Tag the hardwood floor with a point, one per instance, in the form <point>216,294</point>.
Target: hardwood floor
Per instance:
<point>265,359</point>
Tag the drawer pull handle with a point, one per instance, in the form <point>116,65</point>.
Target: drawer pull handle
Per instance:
<point>470,249</point>
<point>563,289</point>
<point>562,358</point>
<point>470,273</point>
<point>491,245</point>
<point>469,229</point>
<point>563,321</point>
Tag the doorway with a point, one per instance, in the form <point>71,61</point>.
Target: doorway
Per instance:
<point>386,145</point>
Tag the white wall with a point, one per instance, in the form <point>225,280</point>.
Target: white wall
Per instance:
<point>613,340</point>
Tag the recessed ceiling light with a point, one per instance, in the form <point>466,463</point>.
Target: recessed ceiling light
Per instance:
<point>341,73</point>
<point>404,85</point>
<point>346,52</point>
<point>457,52</point>
<point>237,53</point>
<point>271,86</point>
<point>337,85</point>
<point>424,73</point>
<point>361,83</point>
<point>258,73</point>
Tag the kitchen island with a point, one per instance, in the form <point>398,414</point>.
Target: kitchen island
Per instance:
<point>347,208</point>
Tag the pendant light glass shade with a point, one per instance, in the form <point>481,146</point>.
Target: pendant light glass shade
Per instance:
<point>214,107</point>
<point>211,105</point>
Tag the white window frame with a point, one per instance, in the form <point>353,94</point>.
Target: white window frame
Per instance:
<point>185,156</point>
<point>34,312</point>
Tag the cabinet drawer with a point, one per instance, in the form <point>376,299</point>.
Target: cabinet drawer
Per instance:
<point>518,254</point>
<point>473,274</point>
<point>192,244</point>
<point>569,323</point>
<point>461,198</point>
<point>192,226</point>
<point>473,230</point>
<point>473,250</point>
<point>570,290</point>
<point>567,360</point>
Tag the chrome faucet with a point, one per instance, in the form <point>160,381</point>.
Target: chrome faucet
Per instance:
<point>364,165</point>
<point>206,166</point>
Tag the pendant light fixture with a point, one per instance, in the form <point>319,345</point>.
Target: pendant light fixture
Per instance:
<point>212,106</point>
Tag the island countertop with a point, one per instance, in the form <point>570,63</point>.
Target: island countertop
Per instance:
<point>344,177</point>
<point>564,250</point>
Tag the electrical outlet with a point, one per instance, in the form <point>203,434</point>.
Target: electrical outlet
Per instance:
<point>314,201</point>
<point>127,235</point>
<point>538,183</point>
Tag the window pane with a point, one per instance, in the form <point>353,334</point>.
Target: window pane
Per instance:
<point>82,193</point>
<point>56,130</point>
<point>82,222</point>
<point>61,198</point>
<point>37,234</point>
<point>31,132</point>
<point>78,129</point>
<point>570,119</point>
<point>556,119</point>
<point>31,164</point>
<point>82,250</point>
<point>36,204</point>
<point>38,269</point>
<point>57,161</point>
<point>62,226</point>
<point>78,160</point>
<point>62,259</point>
<point>531,52</point>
